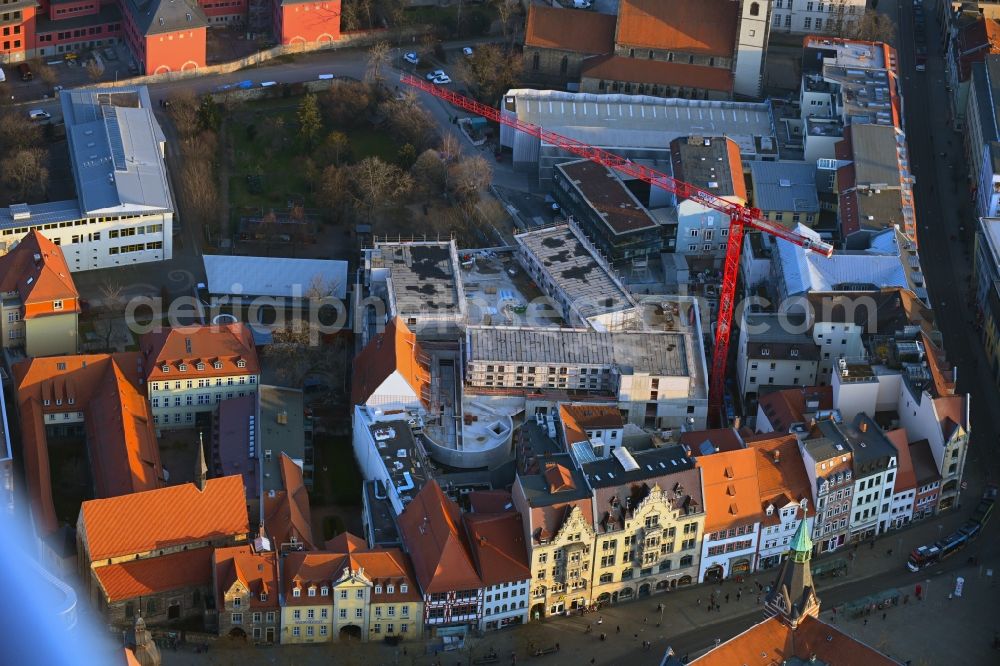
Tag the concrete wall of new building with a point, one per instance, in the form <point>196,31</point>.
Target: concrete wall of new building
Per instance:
<point>464,459</point>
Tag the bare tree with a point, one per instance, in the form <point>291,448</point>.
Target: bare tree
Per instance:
<point>112,308</point>
<point>26,172</point>
<point>200,190</point>
<point>505,10</point>
<point>409,121</point>
<point>298,350</point>
<point>429,172</point>
<point>46,73</point>
<point>468,177</point>
<point>875,27</point>
<point>346,104</point>
<point>378,57</point>
<point>95,70</point>
<point>378,184</point>
<point>491,71</point>
<point>336,147</point>
<point>334,189</point>
<point>350,18</point>
<point>184,111</point>
<point>17,131</point>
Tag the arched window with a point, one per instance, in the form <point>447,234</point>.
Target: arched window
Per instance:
<point>754,9</point>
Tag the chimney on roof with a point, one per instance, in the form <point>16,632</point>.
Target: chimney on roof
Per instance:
<point>864,426</point>
<point>777,457</point>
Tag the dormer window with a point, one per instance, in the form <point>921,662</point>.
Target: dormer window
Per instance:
<point>58,401</point>
<point>47,402</point>
<point>71,400</point>
<point>263,596</point>
<point>241,363</point>
<point>403,588</point>
<point>770,509</point>
<point>378,589</point>
<point>183,367</point>
<point>165,368</point>
<point>200,366</point>
<point>297,592</point>
<point>324,591</point>
<point>312,590</point>
<point>217,365</point>
<point>389,589</point>
<point>57,305</point>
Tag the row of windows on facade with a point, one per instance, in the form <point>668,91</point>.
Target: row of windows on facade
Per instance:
<point>324,630</point>
<point>359,613</point>
<point>457,612</point>
<point>189,400</point>
<point>504,608</point>
<point>324,591</point>
<point>730,547</point>
<point>217,365</point>
<point>829,7</point>
<point>189,416</point>
<point>17,231</point>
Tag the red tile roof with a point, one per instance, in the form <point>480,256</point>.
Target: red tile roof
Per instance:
<point>577,419</point>
<point>905,477</point>
<point>707,27</point>
<point>781,474</point>
<point>287,513</point>
<point>256,571</point>
<point>773,642</point>
<point>37,270</point>
<point>152,575</point>
<point>490,501</point>
<point>121,441</point>
<point>395,349</point>
<point>498,547</point>
<point>659,72</point>
<point>431,529</point>
<point>732,495</point>
<point>576,30</point>
<point>226,345</point>
<point>974,42</point>
<point>783,408</point>
<point>558,477</point>
<point>723,439</point>
<point>141,522</point>
<point>382,566</point>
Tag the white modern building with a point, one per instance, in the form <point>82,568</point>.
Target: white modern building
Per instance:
<point>124,211</point>
<point>775,351</point>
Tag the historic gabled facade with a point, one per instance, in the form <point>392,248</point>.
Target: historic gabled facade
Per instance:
<point>246,593</point>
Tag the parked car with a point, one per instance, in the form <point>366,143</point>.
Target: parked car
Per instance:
<point>436,73</point>
<point>25,72</point>
<point>3,77</point>
<point>39,114</point>
<point>467,51</point>
<point>441,80</point>
<point>412,58</point>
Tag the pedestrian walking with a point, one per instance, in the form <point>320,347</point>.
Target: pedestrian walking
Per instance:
<point>618,629</point>
<point>758,600</point>
<point>884,615</point>
<point>699,601</point>
<point>600,619</point>
<point>644,620</point>
<point>739,595</point>
<point>727,597</point>
<point>866,622</point>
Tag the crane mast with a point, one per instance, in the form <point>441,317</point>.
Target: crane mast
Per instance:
<point>741,218</point>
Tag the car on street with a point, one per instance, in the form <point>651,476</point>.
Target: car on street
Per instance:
<point>436,73</point>
<point>441,80</point>
<point>467,51</point>
<point>412,58</point>
<point>39,114</point>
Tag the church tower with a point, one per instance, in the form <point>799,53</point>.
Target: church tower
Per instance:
<point>793,596</point>
<point>142,645</point>
<point>751,45</point>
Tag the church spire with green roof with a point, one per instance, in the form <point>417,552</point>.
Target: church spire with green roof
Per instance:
<point>793,596</point>
<point>802,544</point>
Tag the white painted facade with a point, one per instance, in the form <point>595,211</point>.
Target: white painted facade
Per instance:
<point>729,549</point>
<point>872,501</point>
<point>505,604</point>
<point>175,402</point>
<point>98,241</point>
<point>832,17</point>
<point>901,508</point>
<point>836,341</point>
<point>750,48</point>
<point>702,231</point>
<point>774,539</point>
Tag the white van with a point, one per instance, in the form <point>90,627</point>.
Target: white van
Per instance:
<point>38,114</point>
<point>268,84</point>
<point>3,77</point>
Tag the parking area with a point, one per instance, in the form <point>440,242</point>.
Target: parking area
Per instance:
<point>49,74</point>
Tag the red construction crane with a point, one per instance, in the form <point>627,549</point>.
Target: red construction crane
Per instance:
<point>741,217</point>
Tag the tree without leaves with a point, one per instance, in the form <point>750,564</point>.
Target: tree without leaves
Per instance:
<point>47,74</point>
<point>468,177</point>
<point>378,58</point>
<point>310,123</point>
<point>336,148</point>
<point>17,131</point>
<point>346,103</point>
<point>409,121</point>
<point>299,351</point>
<point>429,173</point>
<point>112,306</point>
<point>94,70</point>
<point>200,190</point>
<point>26,172</point>
<point>875,27</point>
<point>491,71</point>
<point>334,190</point>
<point>378,184</point>
<point>184,111</point>
<point>505,10</point>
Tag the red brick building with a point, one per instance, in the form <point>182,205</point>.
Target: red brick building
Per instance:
<point>162,35</point>
<point>306,21</point>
